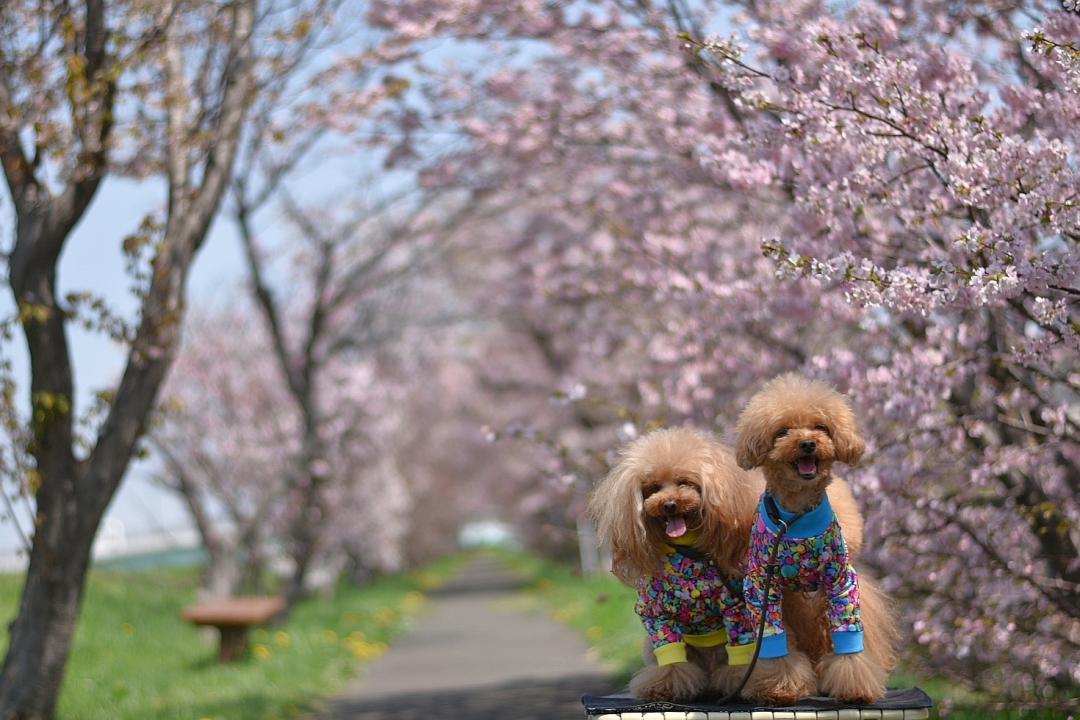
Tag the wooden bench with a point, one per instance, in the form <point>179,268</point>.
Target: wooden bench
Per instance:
<point>232,617</point>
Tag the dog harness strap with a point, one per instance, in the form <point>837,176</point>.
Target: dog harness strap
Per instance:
<point>689,551</point>
<point>769,503</point>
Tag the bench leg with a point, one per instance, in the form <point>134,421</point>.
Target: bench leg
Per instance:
<point>233,643</point>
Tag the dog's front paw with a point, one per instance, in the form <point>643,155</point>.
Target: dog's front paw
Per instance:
<point>782,681</point>
<point>726,679</point>
<point>679,683</point>
<point>855,678</point>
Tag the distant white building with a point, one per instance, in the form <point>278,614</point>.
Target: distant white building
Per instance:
<point>488,533</point>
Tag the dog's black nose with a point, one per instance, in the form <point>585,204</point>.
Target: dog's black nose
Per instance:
<point>670,507</point>
<point>807,446</point>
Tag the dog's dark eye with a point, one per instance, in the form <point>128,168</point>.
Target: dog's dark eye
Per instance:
<point>822,428</point>
<point>683,482</point>
<point>781,433</point>
<point>649,490</point>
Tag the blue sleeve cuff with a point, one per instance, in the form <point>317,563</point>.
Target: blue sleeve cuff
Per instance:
<point>773,646</point>
<point>847,642</point>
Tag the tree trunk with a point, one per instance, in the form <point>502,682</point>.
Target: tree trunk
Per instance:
<point>42,632</point>
<point>306,532</point>
<point>588,543</point>
<point>64,531</point>
<point>303,537</point>
<point>252,578</point>
<point>223,572</point>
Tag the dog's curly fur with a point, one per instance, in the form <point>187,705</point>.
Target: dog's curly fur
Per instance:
<point>788,416</point>
<point>716,499</point>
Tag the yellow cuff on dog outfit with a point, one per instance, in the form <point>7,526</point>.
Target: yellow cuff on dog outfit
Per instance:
<point>708,640</point>
<point>740,654</point>
<point>670,654</point>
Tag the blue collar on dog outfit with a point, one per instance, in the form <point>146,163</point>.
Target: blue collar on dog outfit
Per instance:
<point>810,524</point>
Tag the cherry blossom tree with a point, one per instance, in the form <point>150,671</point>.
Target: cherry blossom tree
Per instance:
<point>402,457</point>
<point>225,436</point>
<point>352,271</point>
<point>881,195</point>
<point>951,222</point>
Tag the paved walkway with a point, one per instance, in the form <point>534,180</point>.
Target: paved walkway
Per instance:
<point>477,653</point>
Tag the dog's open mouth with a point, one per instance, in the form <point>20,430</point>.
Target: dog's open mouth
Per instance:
<point>806,467</point>
<point>676,526</point>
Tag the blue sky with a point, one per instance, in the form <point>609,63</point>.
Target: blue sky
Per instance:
<point>93,261</point>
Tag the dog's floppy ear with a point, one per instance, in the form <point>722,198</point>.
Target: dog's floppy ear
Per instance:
<point>846,437</point>
<point>615,507</point>
<point>754,441</point>
<point>728,503</point>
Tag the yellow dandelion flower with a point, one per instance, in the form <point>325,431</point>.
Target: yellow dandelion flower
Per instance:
<point>384,616</point>
<point>564,614</point>
<point>128,629</point>
<point>427,580</point>
<point>365,650</point>
<point>262,652</point>
<point>281,638</point>
<point>594,633</point>
<point>329,636</point>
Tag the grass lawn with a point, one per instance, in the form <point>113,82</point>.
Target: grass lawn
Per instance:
<point>135,658</point>
<point>603,610</point>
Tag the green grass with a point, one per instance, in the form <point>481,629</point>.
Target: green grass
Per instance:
<point>134,658</point>
<point>603,610</point>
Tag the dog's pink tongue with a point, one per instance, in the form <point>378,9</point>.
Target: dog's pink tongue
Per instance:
<point>807,467</point>
<point>676,527</point>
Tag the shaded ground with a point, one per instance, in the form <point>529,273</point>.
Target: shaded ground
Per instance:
<point>476,654</point>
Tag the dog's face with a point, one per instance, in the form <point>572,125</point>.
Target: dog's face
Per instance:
<point>803,450</point>
<point>667,484</point>
<point>671,501</point>
<point>795,429</point>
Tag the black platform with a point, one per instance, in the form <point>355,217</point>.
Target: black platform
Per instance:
<point>910,704</point>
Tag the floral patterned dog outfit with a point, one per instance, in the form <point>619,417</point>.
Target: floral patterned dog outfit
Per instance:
<point>690,602</point>
<point>812,555</point>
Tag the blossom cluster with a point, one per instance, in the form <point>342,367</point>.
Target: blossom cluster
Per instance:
<point>881,195</point>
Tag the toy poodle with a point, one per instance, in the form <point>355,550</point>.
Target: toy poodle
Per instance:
<point>677,510</point>
<point>795,429</point>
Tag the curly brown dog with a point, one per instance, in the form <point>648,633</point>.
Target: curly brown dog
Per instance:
<point>674,496</point>
<point>795,429</point>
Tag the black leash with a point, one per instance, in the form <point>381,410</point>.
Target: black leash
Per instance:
<point>774,515</point>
